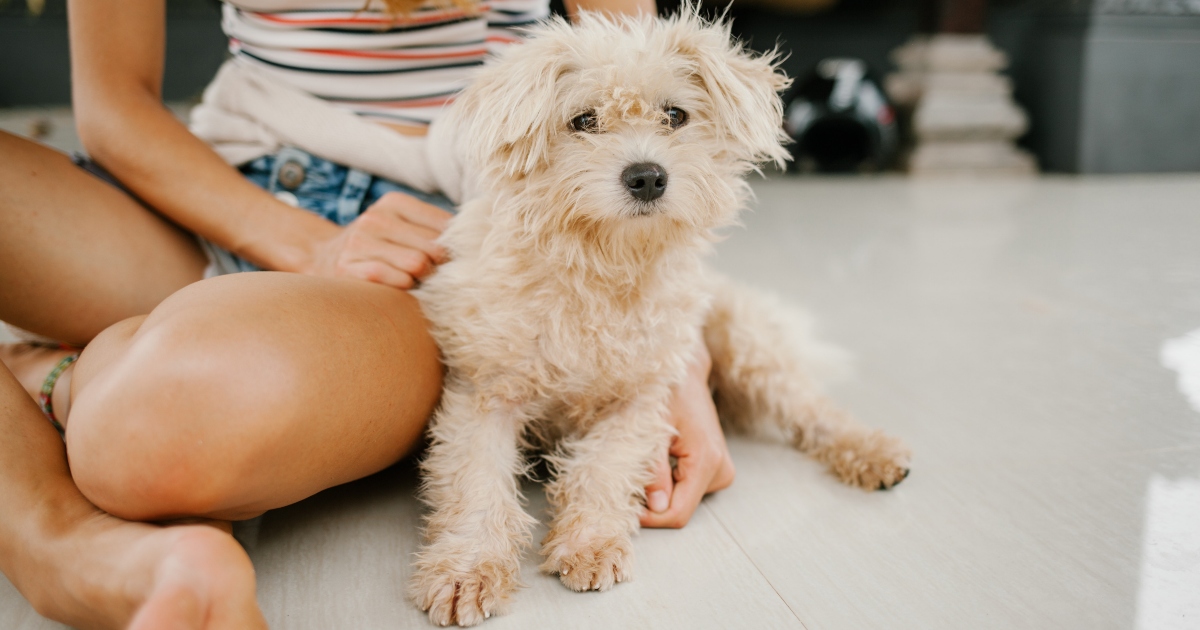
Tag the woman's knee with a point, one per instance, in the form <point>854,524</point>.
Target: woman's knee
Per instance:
<point>140,435</point>
<point>312,383</point>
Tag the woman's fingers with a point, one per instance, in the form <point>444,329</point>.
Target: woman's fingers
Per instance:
<point>415,211</point>
<point>368,243</point>
<point>658,493</point>
<point>691,484</point>
<point>703,462</point>
<point>394,242</point>
<point>395,229</point>
<point>380,273</point>
<point>382,238</point>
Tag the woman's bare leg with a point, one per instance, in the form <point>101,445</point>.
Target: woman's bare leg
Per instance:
<point>249,392</point>
<point>76,254</point>
<point>234,396</point>
<point>81,566</point>
<point>85,567</point>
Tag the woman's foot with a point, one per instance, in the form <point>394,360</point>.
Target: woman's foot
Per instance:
<point>103,572</point>
<point>81,566</point>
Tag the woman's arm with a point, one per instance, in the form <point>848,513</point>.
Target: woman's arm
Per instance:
<point>117,49</point>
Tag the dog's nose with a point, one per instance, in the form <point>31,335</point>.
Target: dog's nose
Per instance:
<point>646,181</point>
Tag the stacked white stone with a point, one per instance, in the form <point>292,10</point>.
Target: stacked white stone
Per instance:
<point>965,120</point>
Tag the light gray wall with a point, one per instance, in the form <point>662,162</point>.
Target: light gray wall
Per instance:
<point>1111,86</point>
<point>1045,45</point>
<point>1141,92</point>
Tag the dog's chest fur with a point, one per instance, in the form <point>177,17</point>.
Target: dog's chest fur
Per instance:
<point>561,342</point>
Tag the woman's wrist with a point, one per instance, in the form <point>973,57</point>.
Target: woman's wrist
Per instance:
<point>279,237</point>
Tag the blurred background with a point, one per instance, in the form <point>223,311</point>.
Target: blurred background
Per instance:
<point>1097,86</point>
<point>1035,339</point>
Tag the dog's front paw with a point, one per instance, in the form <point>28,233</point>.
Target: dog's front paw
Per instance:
<point>589,563</point>
<point>871,461</point>
<point>463,597</point>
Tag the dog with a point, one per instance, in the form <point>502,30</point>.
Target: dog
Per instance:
<point>607,154</point>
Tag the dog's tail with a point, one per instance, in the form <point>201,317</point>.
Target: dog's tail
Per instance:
<point>768,372</point>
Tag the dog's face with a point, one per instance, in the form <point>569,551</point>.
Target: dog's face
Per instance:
<point>636,124</point>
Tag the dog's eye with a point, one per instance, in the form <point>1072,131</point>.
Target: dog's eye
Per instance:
<point>587,122</point>
<point>676,117</point>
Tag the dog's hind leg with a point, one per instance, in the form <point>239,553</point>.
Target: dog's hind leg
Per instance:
<point>764,367</point>
<point>477,528</point>
<point>597,492</point>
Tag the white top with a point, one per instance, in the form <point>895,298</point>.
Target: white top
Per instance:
<point>319,74</point>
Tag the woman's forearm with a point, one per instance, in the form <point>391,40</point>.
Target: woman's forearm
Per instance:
<point>117,49</point>
<point>144,146</point>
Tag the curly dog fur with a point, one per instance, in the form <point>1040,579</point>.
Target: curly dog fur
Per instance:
<point>570,306</point>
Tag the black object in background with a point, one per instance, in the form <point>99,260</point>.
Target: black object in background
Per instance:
<point>840,119</point>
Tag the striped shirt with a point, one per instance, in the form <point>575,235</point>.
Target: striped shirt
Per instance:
<point>398,70</point>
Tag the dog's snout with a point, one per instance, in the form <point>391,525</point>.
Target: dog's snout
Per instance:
<point>646,181</point>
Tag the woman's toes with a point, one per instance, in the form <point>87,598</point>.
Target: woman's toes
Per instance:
<point>176,605</point>
<point>205,580</point>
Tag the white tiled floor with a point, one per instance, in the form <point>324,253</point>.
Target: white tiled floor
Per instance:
<point>1011,331</point>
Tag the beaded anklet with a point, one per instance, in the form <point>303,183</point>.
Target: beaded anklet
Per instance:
<point>48,390</point>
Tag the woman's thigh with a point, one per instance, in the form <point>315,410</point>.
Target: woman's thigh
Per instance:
<point>249,392</point>
<point>76,254</point>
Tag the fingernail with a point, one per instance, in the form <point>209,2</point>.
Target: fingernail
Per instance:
<point>657,501</point>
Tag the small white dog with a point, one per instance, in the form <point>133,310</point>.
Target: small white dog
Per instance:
<point>607,153</point>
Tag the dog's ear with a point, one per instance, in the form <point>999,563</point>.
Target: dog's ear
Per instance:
<point>744,87</point>
<point>509,111</point>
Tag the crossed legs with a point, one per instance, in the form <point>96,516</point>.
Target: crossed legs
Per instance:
<point>81,566</point>
<point>231,397</point>
<point>236,395</point>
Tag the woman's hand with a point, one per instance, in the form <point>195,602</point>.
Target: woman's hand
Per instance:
<point>394,242</point>
<point>117,81</point>
<point>702,457</point>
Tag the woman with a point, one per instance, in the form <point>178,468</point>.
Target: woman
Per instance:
<point>197,403</point>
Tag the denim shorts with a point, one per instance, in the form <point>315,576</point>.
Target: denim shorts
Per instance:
<point>301,179</point>
<point>338,193</point>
